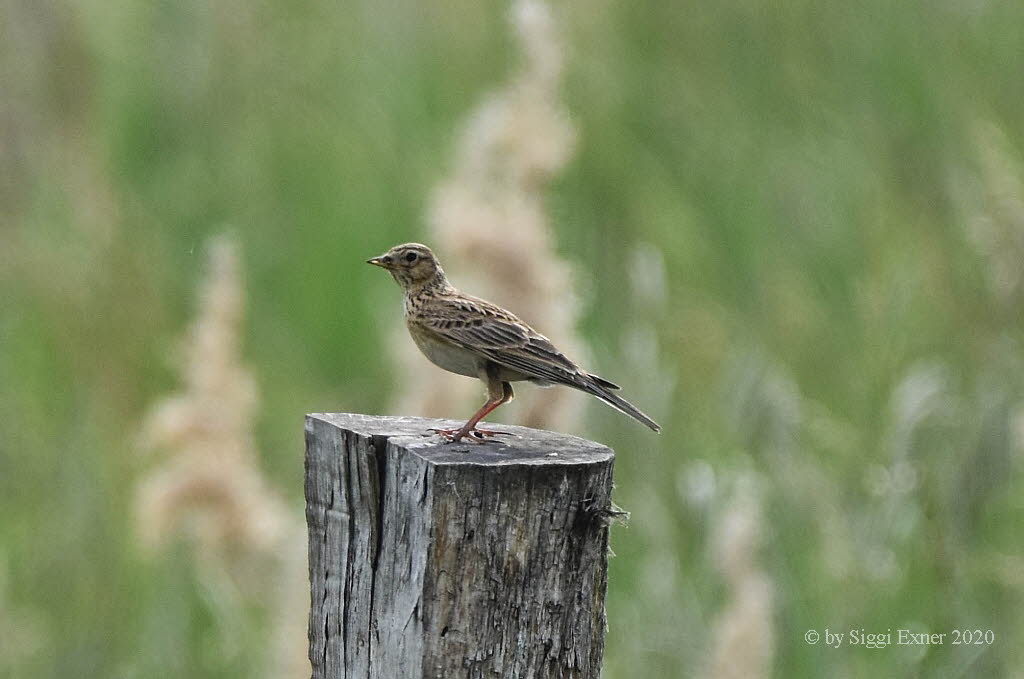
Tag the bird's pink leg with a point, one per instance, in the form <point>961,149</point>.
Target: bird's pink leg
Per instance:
<point>469,429</point>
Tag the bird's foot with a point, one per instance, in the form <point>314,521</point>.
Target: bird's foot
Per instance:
<point>473,435</point>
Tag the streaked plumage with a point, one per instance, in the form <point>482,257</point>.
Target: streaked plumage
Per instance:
<point>470,336</point>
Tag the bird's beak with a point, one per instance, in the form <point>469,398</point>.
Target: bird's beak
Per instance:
<point>377,261</point>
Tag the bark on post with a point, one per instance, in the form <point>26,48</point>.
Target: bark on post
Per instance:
<point>431,560</point>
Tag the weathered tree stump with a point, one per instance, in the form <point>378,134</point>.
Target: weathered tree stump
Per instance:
<point>434,560</point>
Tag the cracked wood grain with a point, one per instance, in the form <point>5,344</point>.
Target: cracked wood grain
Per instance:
<point>434,561</point>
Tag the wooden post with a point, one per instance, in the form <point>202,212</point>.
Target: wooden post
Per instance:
<point>434,561</point>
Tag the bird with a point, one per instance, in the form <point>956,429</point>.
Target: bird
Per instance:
<point>470,336</point>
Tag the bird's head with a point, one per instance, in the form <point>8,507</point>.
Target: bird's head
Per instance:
<point>411,264</point>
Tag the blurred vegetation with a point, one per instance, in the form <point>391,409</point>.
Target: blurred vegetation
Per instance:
<point>799,230</point>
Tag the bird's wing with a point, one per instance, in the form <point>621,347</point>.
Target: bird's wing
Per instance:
<point>498,335</point>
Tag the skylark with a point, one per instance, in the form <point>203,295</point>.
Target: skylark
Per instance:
<point>469,336</point>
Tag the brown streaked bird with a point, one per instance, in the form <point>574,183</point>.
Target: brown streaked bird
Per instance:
<point>469,336</point>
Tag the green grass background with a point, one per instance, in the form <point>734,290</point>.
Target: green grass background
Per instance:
<point>808,171</point>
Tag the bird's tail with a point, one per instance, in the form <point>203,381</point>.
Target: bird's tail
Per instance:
<point>597,388</point>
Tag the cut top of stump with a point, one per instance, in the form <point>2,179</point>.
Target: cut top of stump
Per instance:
<point>524,446</point>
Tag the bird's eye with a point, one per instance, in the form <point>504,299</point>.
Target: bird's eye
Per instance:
<point>411,257</point>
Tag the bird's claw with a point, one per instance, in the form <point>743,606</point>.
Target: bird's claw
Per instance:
<point>473,435</point>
